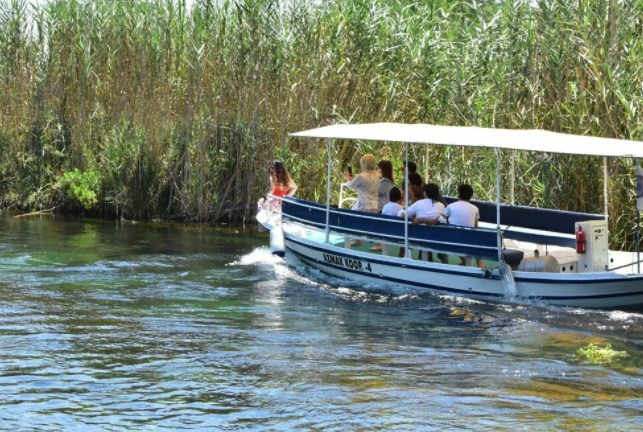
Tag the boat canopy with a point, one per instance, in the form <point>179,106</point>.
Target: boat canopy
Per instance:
<point>470,136</point>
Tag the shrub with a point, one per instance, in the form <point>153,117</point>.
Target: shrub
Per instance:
<point>81,187</point>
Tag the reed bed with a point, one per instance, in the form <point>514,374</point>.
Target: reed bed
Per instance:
<point>159,109</point>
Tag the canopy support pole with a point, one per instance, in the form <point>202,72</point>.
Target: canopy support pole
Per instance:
<point>638,241</point>
<point>513,176</point>
<point>638,219</point>
<point>328,174</point>
<point>605,187</point>
<point>407,253</point>
<point>426,164</point>
<point>499,240</point>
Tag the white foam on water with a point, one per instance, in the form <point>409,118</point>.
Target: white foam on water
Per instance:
<point>16,260</point>
<point>260,255</point>
<point>459,299</point>
<point>627,317</point>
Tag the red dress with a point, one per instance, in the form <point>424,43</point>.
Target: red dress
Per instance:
<point>280,192</point>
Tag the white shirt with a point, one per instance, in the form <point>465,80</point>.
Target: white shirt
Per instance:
<point>391,209</point>
<point>365,184</point>
<point>462,213</point>
<point>425,208</point>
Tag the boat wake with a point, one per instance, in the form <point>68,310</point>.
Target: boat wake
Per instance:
<point>291,269</point>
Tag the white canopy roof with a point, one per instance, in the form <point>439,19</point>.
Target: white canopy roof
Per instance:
<point>469,136</point>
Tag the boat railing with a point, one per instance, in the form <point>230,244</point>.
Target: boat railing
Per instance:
<point>342,199</point>
<point>475,242</point>
<point>534,218</point>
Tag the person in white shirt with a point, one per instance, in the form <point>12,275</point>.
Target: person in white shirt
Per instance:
<point>462,212</point>
<point>427,210</point>
<point>365,184</point>
<point>393,207</point>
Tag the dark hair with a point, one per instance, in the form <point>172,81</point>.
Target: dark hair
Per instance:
<point>415,179</point>
<point>394,195</point>
<point>413,168</point>
<point>279,173</point>
<point>432,191</point>
<point>465,192</point>
<point>387,169</point>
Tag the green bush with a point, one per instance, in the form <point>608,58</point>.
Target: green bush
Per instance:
<point>81,187</point>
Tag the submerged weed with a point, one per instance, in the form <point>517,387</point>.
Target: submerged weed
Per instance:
<point>597,354</point>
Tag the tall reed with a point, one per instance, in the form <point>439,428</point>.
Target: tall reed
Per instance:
<point>180,109</point>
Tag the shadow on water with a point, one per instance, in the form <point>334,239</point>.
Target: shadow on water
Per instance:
<point>109,326</point>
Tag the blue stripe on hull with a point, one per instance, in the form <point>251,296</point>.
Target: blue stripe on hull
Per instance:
<point>443,288</point>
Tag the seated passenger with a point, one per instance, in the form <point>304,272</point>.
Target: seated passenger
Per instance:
<point>463,213</point>
<point>393,207</point>
<point>427,210</point>
<point>416,187</point>
<point>412,169</point>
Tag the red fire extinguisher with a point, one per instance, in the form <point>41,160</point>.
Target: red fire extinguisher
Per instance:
<point>581,243</point>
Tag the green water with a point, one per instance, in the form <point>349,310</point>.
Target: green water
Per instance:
<point>107,326</point>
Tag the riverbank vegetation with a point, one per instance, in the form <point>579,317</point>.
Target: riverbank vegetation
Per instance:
<point>158,109</point>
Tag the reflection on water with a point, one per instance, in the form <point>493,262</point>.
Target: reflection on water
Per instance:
<point>137,326</point>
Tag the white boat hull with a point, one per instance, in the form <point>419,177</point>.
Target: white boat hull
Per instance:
<point>587,290</point>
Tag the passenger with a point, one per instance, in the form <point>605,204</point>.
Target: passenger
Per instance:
<point>281,184</point>
<point>365,184</point>
<point>427,210</point>
<point>413,168</point>
<point>393,207</point>
<point>416,187</point>
<point>462,212</point>
<point>385,184</point>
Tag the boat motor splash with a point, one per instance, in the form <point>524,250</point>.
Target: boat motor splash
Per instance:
<point>277,241</point>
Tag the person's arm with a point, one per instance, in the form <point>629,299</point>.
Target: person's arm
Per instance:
<point>438,210</point>
<point>447,212</point>
<point>412,211</point>
<point>292,188</point>
<point>427,221</point>
<point>354,183</point>
<point>349,175</point>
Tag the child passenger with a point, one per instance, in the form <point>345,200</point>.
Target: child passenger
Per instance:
<point>393,207</point>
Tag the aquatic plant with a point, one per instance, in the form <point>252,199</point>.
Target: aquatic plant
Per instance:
<point>181,109</point>
<point>596,354</point>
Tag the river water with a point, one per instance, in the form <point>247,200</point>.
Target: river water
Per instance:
<point>107,326</point>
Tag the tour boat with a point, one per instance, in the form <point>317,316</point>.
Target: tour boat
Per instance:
<point>531,254</point>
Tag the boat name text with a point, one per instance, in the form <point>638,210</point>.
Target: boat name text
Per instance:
<point>350,263</point>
